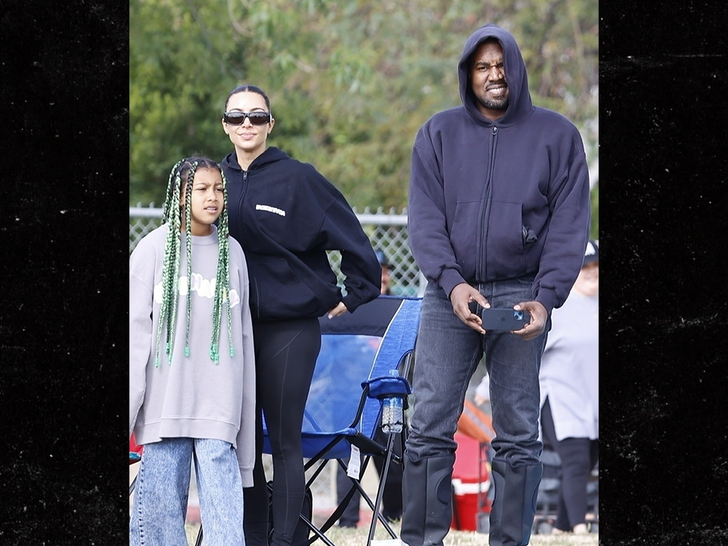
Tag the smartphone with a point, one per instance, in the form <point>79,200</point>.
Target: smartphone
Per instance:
<point>504,319</point>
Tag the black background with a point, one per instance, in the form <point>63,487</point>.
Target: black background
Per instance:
<point>663,164</point>
<point>64,232</point>
<point>64,77</point>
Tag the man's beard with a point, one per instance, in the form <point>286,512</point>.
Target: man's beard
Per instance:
<point>491,104</point>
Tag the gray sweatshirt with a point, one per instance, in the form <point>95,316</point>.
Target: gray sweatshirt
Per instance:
<point>191,397</point>
<point>569,373</point>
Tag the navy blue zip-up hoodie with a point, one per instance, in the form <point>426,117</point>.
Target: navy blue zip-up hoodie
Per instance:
<point>494,200</point>
<point>286,215</point>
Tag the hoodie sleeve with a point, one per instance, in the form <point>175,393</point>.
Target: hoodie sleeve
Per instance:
<point>246,435</point>
<point>427,221</point>
<point>563,251</point>
<point>141,300</point>
<point>343,232</point>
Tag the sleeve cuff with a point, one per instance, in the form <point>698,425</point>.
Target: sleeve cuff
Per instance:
<point>449,280</point>
<point>548,299</point>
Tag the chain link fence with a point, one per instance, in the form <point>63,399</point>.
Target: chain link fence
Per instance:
<point>386,230</point>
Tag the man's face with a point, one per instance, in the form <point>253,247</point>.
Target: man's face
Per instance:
<point>386,279</point>
<point>488,80</point>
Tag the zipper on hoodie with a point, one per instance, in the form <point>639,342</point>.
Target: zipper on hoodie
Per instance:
<point>243,191</point>
<point>253,284</point>
<point>481,269</point>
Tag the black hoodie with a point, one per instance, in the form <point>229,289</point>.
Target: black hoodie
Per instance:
<point>286,216</point>
<point>494,200</point>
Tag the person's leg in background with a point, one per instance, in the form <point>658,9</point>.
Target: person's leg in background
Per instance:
<point>578,457</point>
<point>162,490</point>
<point>561,524</point>
<point>575,471</point>
<point>221,492</point>
<point>350,515</point>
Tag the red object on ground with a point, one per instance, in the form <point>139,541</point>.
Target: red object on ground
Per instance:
<point>470,489</point>
<point>135,451</point>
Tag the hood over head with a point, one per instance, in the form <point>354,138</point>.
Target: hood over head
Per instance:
<point>519,105</point>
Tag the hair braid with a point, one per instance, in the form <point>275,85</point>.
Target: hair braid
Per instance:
<point>170,263</point>
<point>220,293</point>
<point>171,202</point>
<point>172,183</point>
<point>172,284</point>
<point>222,281</point>
<point>188,249</point>
<point>225,235</point>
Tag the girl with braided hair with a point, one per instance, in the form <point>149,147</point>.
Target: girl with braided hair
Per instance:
<point>191,364</point>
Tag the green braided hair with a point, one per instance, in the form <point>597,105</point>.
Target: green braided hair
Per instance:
<point>173,214</point>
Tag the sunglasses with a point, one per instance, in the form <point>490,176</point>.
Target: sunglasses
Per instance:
<point>238,118</point>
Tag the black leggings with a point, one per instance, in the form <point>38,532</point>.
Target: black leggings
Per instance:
<point>578,457</point>
<point>285,356</point>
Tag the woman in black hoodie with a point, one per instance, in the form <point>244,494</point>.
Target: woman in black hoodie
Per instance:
<point>286,215</point>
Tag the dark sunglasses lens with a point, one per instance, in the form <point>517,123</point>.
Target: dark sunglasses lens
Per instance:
<point>234,118</point>
<point>259,118</point>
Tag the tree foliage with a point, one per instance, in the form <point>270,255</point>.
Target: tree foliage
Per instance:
<point>350,82</point>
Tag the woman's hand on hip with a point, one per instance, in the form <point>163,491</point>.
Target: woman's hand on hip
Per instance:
<point>338,310</point>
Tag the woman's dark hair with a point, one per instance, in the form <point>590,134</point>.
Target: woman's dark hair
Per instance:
<point>250,89</point>
<point>181,179</point>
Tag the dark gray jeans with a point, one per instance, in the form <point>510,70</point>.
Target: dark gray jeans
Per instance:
<point>446,356</point>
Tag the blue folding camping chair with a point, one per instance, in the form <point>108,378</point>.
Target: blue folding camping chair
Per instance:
<point>351,377</point>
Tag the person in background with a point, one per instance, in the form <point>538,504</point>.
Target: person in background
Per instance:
<point>392,496</point>
<point>386,283</point>
<point>569,380</point>
<point>286,216</point>
<point>191,365</point>
<point>498,217</point>
<point>482,394</point>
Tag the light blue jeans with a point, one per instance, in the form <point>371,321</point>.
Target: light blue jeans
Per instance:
<point>160,501</point>
<point>447,355</point>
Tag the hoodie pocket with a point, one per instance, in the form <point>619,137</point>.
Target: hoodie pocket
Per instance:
<point>505,241</point>
<point>465,236</point>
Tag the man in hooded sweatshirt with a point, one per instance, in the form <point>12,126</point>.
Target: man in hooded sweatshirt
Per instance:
<point>498,217</point>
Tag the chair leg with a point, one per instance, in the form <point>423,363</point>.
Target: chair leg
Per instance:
<point>380,494</point>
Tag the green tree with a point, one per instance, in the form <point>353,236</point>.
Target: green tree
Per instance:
<point>350,82</point>
<point>180,58</point>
